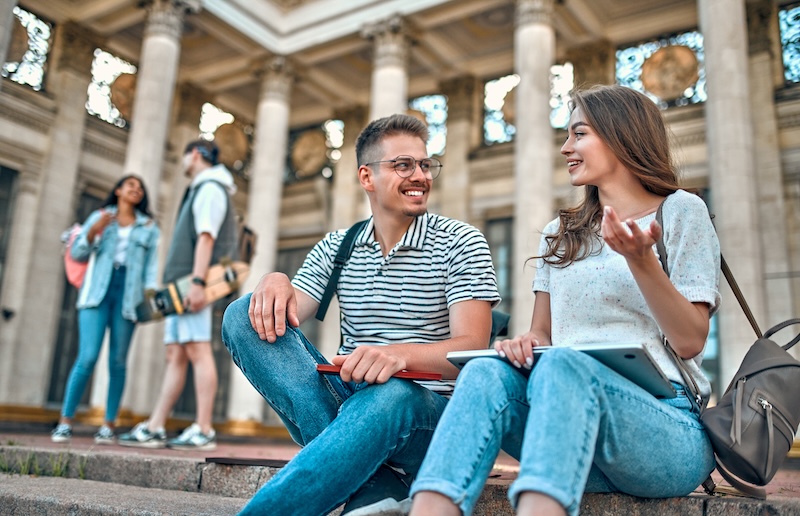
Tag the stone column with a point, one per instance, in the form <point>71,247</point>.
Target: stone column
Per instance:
<point>452,186</point>
<point>38,317</point>
<point>348,202</point>
<point>7,21</point>
<point>593,63</point>
<point>389,92</point>
<point>771,196</point>
<point>147,349</point>
<point>154,88</point>
<point>15,286</point>
<point>534,51</point>
<point>263,207</point>
<point>731,166</point>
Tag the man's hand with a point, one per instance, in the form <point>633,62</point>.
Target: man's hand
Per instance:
<point>371,364</point>
<point>272,303</point>
<point>196,298</point>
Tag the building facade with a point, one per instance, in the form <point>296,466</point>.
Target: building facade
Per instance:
<point>298,79</point>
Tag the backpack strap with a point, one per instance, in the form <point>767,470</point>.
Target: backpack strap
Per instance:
<point>345,250</point>
<point>709,485</point>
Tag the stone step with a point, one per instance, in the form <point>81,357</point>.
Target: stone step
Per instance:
<point>25,495</point>
<point>188,480</point>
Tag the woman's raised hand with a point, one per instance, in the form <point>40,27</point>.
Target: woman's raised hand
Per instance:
<point>626,237</point>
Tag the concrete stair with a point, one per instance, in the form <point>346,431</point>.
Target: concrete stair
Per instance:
<point>113,481</point>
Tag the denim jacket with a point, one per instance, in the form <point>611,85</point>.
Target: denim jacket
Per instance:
<point>141,261</point>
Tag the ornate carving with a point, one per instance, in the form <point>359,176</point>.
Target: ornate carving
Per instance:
<point>76,47</point>
<point>391,41</point>
<point>669,71</point>
<point>165,17</point>
<point>535,11</point>
<point>234,146</point>
<point>277,75</point>
<point>593,63</point>
<point>460,93</point>
<point>760,14</point>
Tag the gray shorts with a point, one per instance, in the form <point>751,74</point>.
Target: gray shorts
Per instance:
<point>191,327</point>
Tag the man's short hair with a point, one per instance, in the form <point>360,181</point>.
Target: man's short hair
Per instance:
<point>368,144</point>
<point>208,150</point>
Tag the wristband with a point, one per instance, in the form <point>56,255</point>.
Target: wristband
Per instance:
<point>197,280</point>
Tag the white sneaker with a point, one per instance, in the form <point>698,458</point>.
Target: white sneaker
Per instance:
<point>194,439</point>
<point>141,437</point>
<point>105,435</point>
<point>61,434</point>
<point>385,507</point>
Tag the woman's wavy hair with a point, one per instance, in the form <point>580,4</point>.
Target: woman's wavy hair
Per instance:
<point>144,204</point>
<point>631,125</point>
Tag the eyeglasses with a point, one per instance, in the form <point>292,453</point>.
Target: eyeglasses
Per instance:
<point>405,166</point>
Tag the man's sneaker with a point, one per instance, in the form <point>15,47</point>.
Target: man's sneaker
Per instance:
<point>61,434</point>
<point>385,493</point>
<point>105,435</point>
<point>194,439</point>
<point>141,437</point>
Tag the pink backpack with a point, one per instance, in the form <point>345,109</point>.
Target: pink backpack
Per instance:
<point>75,270</point>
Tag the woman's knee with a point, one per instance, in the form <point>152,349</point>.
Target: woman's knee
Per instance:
<point>235,320</point>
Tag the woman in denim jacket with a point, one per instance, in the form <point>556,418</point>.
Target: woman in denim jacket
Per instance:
<point>124,238</point>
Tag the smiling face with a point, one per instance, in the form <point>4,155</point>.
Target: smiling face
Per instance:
<point>389,193</point>
<point>130,191</point>
<point>589,160</point>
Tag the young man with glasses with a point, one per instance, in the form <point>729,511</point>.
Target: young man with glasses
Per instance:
<point>416,286</point>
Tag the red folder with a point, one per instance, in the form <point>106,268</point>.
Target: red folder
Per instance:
<point>411,375</point>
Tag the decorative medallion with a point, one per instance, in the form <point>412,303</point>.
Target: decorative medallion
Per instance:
<point>123,90</point>
<point>233,145</point>
<point>669,71</point>
<point>309,153</point>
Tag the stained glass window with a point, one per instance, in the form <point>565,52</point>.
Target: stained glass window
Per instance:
<point>632,60</point>
<point>211,117</point>
<point>30,68</point>
<point>106,68</point>
<point>497,124</point>
<point>434,107</point>
<point>789,20</point>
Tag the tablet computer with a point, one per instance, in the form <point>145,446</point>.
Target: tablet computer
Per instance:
<point>632,361</point>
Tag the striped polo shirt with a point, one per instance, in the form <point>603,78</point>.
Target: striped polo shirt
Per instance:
<point>405,296</point>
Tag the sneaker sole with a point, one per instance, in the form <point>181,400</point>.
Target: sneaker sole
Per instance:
<point>189,447</point>
<point>61,439</point>
<point>102,440</point>
<point>387,507</point>
<point>145,444</point>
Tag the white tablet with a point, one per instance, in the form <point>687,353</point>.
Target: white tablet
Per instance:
<point>632,361</point>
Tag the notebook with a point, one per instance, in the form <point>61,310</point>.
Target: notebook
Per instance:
<point>632,361</point>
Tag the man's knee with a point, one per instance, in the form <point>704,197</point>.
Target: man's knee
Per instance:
<point>176,354</point>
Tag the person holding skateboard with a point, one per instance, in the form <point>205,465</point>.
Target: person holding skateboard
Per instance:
<point>205,233</point>
<point>416,286</point>
<point>123,237</point>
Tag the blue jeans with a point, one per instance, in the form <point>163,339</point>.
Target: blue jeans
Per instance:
<point>347,430</point>
<point>575,426</point>
<point>92,324</point>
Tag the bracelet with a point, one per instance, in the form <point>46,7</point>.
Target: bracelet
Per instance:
<point>197,280</point>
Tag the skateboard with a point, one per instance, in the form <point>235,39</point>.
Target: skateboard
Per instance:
<point>222,279</point>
